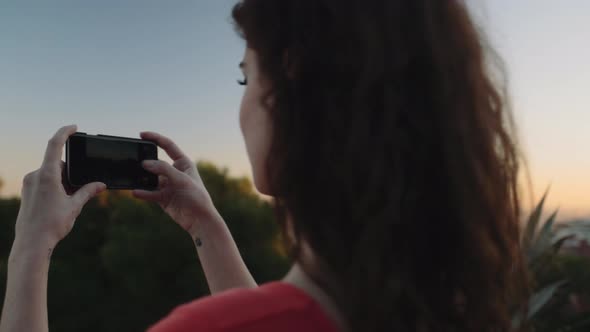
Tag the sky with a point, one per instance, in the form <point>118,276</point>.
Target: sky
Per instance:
<point>120,67</point>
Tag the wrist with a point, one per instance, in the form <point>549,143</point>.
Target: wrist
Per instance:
<point>29,247</point>
<point>27,262</point>
<point>31,233</point>
<point>207,225</point>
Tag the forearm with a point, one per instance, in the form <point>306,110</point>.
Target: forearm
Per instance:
<point>220,258</point>
<point>25,303</point>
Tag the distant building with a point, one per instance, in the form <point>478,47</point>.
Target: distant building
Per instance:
<point>578,232</point>
<point>580,247</point>
<point>578,244</point>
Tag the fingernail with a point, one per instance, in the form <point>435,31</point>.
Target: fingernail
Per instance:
<point>148,163</point>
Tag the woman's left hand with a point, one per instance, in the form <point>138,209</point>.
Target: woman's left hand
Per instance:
<point>47,213</point>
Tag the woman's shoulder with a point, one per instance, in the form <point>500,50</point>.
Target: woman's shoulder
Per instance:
<point>271,307</point>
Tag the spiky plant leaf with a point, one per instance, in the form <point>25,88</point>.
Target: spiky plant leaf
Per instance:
<point>537,302</point>
<point>542,242</point>
<point>532,223</point>
<point>542,297</point>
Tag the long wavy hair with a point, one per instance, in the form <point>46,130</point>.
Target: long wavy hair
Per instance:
<point>393,150</point>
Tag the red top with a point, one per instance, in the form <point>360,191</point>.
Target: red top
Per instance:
<point>275,306</point>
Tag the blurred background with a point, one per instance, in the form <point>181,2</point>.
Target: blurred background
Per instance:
<point>120,67</point>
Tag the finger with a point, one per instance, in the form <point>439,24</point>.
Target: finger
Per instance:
<point>172,150</point>
<point>29,182</point>
<point>55,145</point>
<point>84,194</point>
<point>185,165</point>
<point>162,181</point>
<point>64,180</point>
<point>150,196</point>
<point>160,167</point>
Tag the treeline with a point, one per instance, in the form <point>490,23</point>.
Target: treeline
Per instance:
<point>126,264</point>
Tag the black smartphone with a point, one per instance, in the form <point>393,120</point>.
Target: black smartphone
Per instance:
<point>115,161</point>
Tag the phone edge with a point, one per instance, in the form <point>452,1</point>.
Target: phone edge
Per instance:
<point>107,137</point>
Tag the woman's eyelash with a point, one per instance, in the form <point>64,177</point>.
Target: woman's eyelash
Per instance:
<point>243,82</point>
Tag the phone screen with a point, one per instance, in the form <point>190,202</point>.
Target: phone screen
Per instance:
<point>116,161</point>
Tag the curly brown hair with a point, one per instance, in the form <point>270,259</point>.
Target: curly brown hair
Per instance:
<point>394,151</point>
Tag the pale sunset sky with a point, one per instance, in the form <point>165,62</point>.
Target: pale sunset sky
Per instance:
<point>119,67</point>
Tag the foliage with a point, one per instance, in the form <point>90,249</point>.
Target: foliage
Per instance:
<point>556,276</point>
<point>559,314</point>
<point>126,264</point>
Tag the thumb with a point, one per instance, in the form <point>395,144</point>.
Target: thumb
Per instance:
<point>163,168</point>
<point>84,194</point>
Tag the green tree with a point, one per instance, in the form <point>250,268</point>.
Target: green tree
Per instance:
<point>125,265</point>
<point>8,212</point>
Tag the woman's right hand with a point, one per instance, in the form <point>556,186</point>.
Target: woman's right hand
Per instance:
<point>181,192</point>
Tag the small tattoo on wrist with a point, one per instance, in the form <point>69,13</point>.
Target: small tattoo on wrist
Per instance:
<point>198,242</point>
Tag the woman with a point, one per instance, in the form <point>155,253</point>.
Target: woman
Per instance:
<point>381,132</point>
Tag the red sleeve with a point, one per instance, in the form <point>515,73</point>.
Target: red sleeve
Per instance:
<point>269,308</point>
<point>184,319</point>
